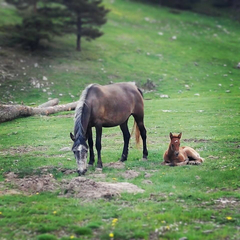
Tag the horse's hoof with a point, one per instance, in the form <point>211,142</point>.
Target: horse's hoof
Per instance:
<point>164,163</point>
<point>122,160</point>
<point>90,165</point>
<point>191,163</point>
<point>144,159</point>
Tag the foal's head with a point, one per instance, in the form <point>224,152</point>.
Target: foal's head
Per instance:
<point>80,150</point>
<point>175,143</point>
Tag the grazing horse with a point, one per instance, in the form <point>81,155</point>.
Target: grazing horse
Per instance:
<point>106,106</point>
<point>178,156</point>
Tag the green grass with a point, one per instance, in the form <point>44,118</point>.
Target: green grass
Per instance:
<point>181,201</point>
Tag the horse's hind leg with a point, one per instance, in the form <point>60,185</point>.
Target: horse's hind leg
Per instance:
<point>126,137</point>
<point>143,133</point>
<point>194,157</point>
<point>90,144</point>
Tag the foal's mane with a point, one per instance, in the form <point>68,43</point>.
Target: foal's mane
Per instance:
<point>78,128</point>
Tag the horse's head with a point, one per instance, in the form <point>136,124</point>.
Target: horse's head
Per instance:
<point>80,150</point>
<point>175,143</point>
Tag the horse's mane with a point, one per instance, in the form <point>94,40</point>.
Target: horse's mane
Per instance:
<point>78,128</point>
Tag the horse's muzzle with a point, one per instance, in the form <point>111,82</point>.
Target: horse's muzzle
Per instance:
<point>80,173</point>
<point>176,154</point>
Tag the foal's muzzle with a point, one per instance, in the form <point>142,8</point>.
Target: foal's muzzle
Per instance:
<point>176,154</point>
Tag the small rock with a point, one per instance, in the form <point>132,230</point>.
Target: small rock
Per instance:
<point>164,96</point>
<point>147,182</point>
<point>183,238</point>
<point>65,149</point>
<point>44,78</point>
<point>197,177</point>
<point>147,175</point>
<point>207,231</point>
<point>149,85</point>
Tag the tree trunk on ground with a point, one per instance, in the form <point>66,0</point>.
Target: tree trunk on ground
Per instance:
<point>10,112</point>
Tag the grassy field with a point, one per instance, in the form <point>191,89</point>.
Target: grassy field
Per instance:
<point>191,58</point>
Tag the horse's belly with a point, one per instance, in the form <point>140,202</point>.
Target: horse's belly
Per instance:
<point>110,117</point>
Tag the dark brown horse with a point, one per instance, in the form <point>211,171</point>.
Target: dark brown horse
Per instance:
<point>106,106</point>
<point>177,156</point>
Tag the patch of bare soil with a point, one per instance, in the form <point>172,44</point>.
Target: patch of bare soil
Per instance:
<point>33,184</point>
<point>82,187</point>
<point>117,165</point>
<point>231,203</point>
<point>130,174</point>
<point>21,150</point>
<point>49,169</point>
<point>79,187</point>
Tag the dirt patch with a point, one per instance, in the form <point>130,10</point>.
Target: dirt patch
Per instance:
<point>230,203</point>
<point>130,174</point>
<point>49,169</point>
<point>21,150</point>
<point>33,184</point>
<point>82,187</point>
<point>117,165</point>
<point>79,187</point>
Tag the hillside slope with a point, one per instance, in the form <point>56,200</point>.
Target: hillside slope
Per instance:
<point>183,54</point>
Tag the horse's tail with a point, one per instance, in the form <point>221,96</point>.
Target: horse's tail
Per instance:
<point>135,126</point>
<point>137,133</point>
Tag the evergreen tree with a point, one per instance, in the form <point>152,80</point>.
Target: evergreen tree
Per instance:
<point>40,20</point>
<point>85,18</point>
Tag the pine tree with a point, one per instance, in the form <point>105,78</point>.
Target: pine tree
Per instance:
<point>85,18</point>
<point>40,20</point>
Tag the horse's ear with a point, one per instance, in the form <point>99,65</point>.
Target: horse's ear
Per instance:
<point>171,135</point>
<point>179,135</point>
<point>72,137</point>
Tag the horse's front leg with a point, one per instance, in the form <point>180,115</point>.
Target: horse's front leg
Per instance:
<point>126,138</point>
<point>90,144</point>
<point>99,145</point>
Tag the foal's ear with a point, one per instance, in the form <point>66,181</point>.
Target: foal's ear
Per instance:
<point>171,135</point>
<point>72,137</point>
<point>179,135</point>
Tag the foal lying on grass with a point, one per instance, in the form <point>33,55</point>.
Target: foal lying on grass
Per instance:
<point>178,156</point>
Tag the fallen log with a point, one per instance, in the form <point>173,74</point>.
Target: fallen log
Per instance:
<point>10,112</point>
<point>50,103</point>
